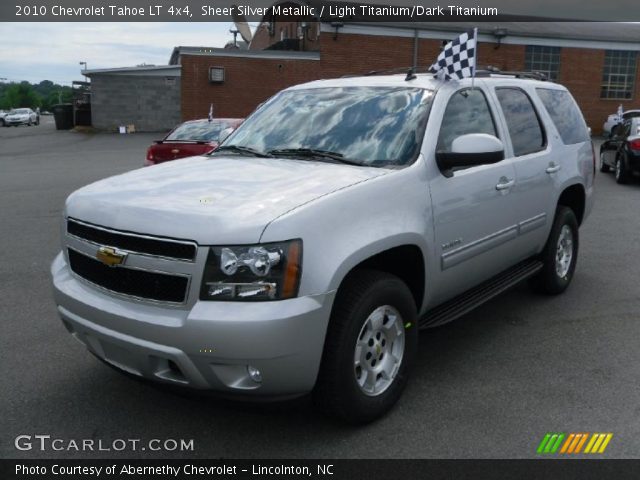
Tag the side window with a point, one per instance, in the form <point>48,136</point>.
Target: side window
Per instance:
<point>565,114</point>
<point>467,112</point>
<point>524,126</point>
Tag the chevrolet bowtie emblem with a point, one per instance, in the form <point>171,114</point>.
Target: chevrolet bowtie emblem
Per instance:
<point>111,256</point>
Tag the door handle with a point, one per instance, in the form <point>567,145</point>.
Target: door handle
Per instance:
<point>553,168</point>
<point>505,184</point>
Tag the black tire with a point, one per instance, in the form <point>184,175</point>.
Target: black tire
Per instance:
<point>604,168</point>
<point>337,392</point>
<point>622,173</point>
<point>548,280</point>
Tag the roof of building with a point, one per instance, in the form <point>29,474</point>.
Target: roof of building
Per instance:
<point>226,52</point>
<point>156,70</point>
<point>598,31</point>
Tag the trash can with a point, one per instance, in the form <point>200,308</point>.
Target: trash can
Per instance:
<point>63,114</point>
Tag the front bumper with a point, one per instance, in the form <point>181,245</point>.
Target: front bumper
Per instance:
<point>208,346</point>
<point>16,122</point>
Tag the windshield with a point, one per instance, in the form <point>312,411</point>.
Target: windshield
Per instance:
<point>198,131</point>
<point>19,111</point>
<point>375,126</point>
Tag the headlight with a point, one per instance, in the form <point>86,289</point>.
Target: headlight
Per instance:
<point>270,271</point>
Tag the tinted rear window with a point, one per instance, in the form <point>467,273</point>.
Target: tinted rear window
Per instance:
<point>565,115</point>
<point>524,126</point>
<point>198,131</point>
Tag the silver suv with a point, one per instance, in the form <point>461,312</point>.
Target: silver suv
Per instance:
<point>342,217</point>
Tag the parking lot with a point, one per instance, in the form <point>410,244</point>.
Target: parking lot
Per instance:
<point>488,385</point>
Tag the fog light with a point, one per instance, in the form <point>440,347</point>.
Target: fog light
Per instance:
<point>254,374</point>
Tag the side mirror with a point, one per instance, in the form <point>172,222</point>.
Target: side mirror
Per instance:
<point>470,150</point>
<point>224,134</point>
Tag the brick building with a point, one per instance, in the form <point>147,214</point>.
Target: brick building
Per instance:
<point>598,62</point>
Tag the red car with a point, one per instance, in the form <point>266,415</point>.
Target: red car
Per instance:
<point>195,137</point>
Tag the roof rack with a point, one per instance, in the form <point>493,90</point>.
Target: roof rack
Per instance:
<point>485,72</point>
<point>490,70</point>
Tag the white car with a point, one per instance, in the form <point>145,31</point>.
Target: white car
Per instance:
<point>614,119</point>
<point>21,116</point>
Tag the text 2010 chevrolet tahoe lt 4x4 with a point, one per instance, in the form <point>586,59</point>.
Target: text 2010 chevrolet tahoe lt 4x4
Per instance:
<point>340,218</point>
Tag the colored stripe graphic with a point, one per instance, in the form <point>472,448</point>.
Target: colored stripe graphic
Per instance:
<point>598,442</point>
<point>574,442</point>
<point>550,443</point>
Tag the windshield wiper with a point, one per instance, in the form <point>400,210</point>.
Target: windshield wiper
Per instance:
<point>314,153</point>
<point>242,149</point>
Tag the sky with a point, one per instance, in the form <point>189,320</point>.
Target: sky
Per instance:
<point>52,51</point>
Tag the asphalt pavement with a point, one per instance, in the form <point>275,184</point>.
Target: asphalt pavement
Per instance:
<point>489,385</point>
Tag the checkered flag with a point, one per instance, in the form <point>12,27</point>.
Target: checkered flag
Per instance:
<point>458,57</point>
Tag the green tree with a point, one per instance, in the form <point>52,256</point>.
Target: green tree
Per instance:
<point>19,95</point>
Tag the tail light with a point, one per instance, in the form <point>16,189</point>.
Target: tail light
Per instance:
<point>635,145</point>
<point>149,160</point>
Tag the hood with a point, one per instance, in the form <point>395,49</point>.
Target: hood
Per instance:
<point>212,200</point>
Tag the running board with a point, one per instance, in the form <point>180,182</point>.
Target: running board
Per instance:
<point>476,296</point>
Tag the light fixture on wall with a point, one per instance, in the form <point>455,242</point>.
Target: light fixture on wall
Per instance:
<point>216,74</point>
<point>499,33</point>
<point>336,25</point>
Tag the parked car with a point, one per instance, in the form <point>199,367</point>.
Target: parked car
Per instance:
<point>622,151</point>
<point>338,219</point>
<point>614,119</point>
<point>195,137</point>
<point>21,116</point>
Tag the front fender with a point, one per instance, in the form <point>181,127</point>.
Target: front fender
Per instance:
<point>342,229</point>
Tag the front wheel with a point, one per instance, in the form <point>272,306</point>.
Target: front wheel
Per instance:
<point>369,348</point>
<point>560,254</point>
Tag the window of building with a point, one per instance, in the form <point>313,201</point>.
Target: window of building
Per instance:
<point>544,60</point>
<point>618,76</point>
<point>525,130</point>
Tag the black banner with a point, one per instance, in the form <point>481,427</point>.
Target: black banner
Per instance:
<point>325,469</point>
<point>324,10</point>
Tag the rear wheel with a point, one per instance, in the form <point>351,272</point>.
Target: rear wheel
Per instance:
<point>604,168</point>
<point>369,348</point>
<point>560,254</point>
<point>622,172</point>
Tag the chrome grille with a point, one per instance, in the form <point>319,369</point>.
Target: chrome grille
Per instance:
<point>144,284</point>
<point>133,242</point>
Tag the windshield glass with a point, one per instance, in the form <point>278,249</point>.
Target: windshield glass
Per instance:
<point>198,131</point>
<point>19,111</point>
<point>376,126</point>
